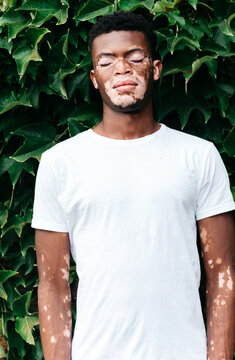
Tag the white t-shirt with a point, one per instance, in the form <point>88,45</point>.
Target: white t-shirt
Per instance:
<point>130,207</point>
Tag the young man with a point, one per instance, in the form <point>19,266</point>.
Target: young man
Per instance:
<point>126,197</point>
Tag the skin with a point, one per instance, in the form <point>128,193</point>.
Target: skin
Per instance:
<point>124,122</point>
<point>54,298</point>
<point>217,239</point>
<point>128,115</point>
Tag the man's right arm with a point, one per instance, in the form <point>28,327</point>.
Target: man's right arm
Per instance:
<point>54,298</point>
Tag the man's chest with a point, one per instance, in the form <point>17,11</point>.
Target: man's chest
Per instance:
<point>105,183</point>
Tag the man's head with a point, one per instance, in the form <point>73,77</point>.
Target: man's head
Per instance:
<point>128,21</point>
<point>123,51</point>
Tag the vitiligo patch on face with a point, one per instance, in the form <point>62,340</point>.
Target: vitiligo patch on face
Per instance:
<point>126,98</point>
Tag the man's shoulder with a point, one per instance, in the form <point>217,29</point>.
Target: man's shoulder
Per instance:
<point>187,141</point>
<point>66,147</point>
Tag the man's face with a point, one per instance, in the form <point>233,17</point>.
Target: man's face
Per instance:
<point>123,69</point>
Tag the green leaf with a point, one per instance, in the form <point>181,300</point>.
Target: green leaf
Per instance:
<point>6,274</point>
<point>3,214</point>
<point>5,5</point>
<point>130,5</point>
<point>212,67</point>
<point>80,81</point>
<point>17,223</point>
<point>230,112</point>
<point>45,10</point>
<point>173,16</point>
<point>4,44</point>
<point>224,25</point>
<point>14,168</point>
<point>56,81</point>
<point>75,127</point>
<point>29,51</point>
<point>38,138</point>
<point>164,5</point>
<point>5,317</point>
<point>181,41</point>
<point>86,61</point>
<point>229,143</point>
<point>10,100</point>
<point>197,64</point>
<point>37,350</point>
<point>222,40</point>
<point>60,66</point>
<point>12,292</point>
<point>193,3</point>
<point>26,242</point>
<point>2,353</point>
<point>25,325</point>
<point>3,293</point>
<point>21,305</point>
<point>92,9</point>
<point>16,345</point>
<point>210,45</point>
<point>16,21</point>
<point>184,104</point>
<point>180,61</point>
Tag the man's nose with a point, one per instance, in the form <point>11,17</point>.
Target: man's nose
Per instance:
<point>122,66</point>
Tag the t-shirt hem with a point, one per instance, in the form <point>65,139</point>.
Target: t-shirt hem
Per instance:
<point>215,211</point>
<point>43,225</point>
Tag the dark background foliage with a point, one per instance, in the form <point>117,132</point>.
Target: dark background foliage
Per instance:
<point>46,96</point>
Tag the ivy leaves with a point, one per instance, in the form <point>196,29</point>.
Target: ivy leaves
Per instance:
<point>46,96</point>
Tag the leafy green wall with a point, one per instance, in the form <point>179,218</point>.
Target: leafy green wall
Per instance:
<point>46,96</point>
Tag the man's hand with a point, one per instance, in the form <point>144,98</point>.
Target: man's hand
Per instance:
<point>54,299</point>
<point>217,238</point>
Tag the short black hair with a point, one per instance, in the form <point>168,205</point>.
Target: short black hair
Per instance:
<point>124,20</point>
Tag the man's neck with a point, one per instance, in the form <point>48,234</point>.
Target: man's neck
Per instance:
<point>125,126</point>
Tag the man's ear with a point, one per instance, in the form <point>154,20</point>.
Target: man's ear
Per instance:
<point>157,69</point>
<point>93,79</point>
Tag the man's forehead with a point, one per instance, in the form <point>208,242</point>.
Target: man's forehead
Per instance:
<point>119,41</point>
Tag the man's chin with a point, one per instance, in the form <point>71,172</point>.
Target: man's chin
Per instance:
<point>133,107</point>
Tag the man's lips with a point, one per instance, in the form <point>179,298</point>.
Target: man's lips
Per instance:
<point>125,85</point>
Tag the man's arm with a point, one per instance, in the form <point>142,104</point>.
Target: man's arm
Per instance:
<point>217,239</point>
<point>54,298</point>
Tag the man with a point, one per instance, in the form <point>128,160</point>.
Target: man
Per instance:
<point>126,197</point>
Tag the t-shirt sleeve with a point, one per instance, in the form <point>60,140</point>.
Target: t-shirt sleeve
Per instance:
<point>47,211</point>
<point>213,191</point>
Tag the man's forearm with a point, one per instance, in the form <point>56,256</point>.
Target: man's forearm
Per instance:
<point>55,321</point>
<point>220,318</point>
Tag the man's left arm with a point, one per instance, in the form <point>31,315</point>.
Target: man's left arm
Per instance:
<point>218,250</point>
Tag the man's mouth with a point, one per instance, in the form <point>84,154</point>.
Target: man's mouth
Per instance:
<point>125,85</point>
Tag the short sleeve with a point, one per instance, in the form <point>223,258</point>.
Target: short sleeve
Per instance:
<point>47,211</point>
<point>213,191</point>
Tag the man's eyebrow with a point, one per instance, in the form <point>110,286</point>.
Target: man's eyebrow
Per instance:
<point>112,54</point>
<point>105,54</point>
<point>133,50</point>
